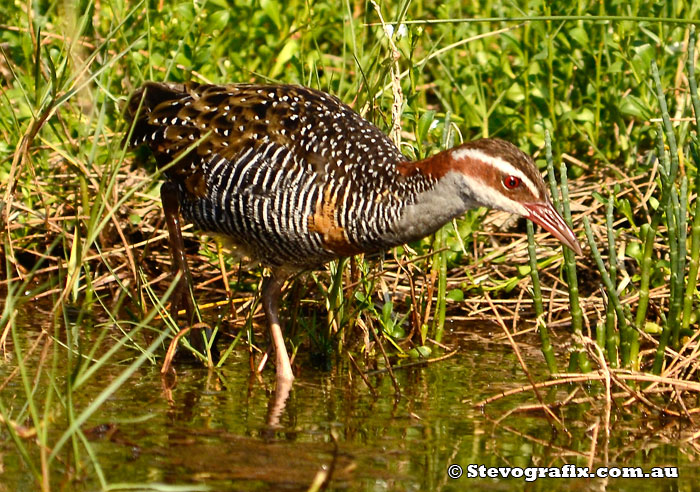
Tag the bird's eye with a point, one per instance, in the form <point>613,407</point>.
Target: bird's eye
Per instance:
<point>511,182</point>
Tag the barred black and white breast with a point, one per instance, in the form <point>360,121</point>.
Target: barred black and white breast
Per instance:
<point>294,176</point>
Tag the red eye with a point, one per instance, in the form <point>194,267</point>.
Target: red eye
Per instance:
<point>511,182</point>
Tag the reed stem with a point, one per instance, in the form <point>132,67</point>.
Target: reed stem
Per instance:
<point>612,335</point>
<point>546,344</point>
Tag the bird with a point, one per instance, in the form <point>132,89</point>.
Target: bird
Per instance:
<point>296,178</point>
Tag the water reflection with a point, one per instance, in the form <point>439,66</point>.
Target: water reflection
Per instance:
<point>229,430</point>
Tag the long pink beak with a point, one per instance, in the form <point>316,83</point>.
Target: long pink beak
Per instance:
<point>546,216</point>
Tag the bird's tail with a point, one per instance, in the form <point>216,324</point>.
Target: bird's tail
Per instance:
<point>144,101</point>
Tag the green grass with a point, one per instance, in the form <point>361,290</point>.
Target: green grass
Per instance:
<point>81,220</point>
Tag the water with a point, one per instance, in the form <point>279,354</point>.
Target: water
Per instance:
<point>216,429</point>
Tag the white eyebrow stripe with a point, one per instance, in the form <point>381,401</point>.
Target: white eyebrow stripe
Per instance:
<point>502,165</point>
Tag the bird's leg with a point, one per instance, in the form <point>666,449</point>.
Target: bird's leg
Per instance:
<point>271,292</point>
<point>182,296</point>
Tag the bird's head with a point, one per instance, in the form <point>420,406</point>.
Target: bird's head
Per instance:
<point>498,175</point>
